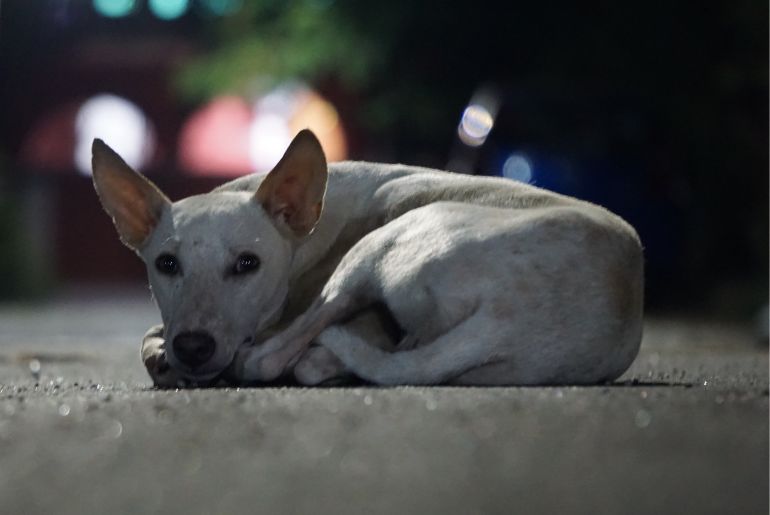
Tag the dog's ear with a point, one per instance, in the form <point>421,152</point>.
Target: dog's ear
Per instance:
<point>134,203</point>
<point>294,190</point>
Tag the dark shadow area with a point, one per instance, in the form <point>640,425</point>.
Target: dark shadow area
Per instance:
<point>656,112</point>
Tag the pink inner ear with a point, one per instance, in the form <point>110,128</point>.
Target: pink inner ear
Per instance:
<point>294,189</point>
<point>136,220</point>
<point>136,227</point>
<point>288,196</point>
<point>133,210</point>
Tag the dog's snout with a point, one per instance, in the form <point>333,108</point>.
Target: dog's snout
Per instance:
<point>194,348</point>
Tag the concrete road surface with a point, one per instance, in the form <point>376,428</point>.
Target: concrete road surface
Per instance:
<point>686,432</point>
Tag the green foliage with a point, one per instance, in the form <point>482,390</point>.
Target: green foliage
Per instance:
<point>353,45</point>
<point>304,40</point>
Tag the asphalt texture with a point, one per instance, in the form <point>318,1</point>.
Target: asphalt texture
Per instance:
<point>82,431</point>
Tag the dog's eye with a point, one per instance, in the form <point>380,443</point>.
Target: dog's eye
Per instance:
<point>246,263</point>
<point>167,264</point>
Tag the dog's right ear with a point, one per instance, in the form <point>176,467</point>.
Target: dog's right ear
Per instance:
<point>293,192</point>
<point>134,203</point>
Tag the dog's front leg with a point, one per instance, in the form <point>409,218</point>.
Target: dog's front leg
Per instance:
<point>319,365</point>
<point>154,359</point>
<point>280,353</point>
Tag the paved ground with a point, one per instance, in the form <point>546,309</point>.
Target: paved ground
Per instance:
<point>686,433</point>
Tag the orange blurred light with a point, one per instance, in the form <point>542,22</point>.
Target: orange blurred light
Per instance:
<point>228,138</point>
<point>322,118</point>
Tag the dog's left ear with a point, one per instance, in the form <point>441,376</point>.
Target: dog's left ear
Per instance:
<point>133,202</point>
<point>294,190</point>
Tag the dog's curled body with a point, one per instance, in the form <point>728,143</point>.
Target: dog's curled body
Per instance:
<point>539,288</point>
<point>491,281</point>
<point>537,297</point>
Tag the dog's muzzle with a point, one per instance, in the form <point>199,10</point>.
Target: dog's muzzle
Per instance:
<point>194,348</point>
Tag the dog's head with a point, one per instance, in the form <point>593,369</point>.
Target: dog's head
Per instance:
<point>218,263</point>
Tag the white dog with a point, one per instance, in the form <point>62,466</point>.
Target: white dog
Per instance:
<point>304,271</point>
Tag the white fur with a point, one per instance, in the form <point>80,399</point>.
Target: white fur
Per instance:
<point>485,296</point>
<point>491,281</point>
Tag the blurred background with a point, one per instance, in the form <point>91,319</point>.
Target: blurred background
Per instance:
<point>656,110</point>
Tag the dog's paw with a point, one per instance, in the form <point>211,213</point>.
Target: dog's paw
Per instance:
<point>249,367</point>
<point>154,358</point>
<point>163,376</point>
<point>318,365</point>
<point>268,368</point>
<point>262,366</point>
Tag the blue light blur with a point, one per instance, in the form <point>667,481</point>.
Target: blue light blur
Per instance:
<point>114,8</point>
<point>518,167</point>
<point>168,9</point>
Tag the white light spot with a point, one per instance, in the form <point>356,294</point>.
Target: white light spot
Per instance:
<point>118,122</point>
<point>475,125</point>
<point>64,410</point>
<point>518,168</point>
<point>269,136</point>
<point>230,137</point>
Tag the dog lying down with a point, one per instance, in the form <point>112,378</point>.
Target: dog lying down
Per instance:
<point>388,273</point>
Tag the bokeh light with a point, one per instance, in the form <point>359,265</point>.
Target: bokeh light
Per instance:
<point>476,123</point>
<point>285,111</point>
<point>518,168</point>
<point>269,135</point>
<point>114,8</point>
<point>120,123</point>
<point>168,9</point>
<point>214,140</point>
<point>229,138</point>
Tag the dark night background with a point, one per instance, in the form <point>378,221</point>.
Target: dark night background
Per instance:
<point>656,110</point>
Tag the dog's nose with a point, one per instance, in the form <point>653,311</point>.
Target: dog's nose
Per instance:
<point>194,348</point>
